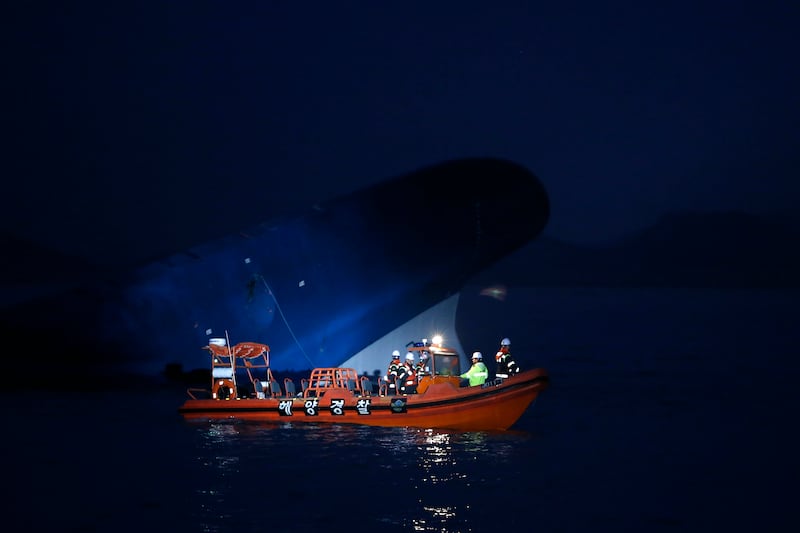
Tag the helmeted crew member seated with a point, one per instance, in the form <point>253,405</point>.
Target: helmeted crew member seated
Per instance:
<point>394,369</point>
<point>477,373</point>
<point>422,368</point>
<point>506,366</point>
<point>406,377</point>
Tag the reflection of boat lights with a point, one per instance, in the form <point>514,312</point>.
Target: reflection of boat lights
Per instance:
<point>436,519</point>
<point>220,432</point>
<point>441,512</point>
<point>438,453</point>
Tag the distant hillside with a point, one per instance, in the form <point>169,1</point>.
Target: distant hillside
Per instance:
<point>29,271</point>
<point>689,249</point>
<point>28,262</point>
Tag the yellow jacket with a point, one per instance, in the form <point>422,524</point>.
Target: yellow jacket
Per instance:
<point>477,374</point>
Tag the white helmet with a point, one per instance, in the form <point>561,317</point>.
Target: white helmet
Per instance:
<point>409,356</point>
<point>505,342</point>
<point>477,355</point>
<point>396,353</point>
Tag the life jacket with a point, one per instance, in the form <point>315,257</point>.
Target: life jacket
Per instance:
<point>394,370</point>
<point>501,353</point>
<point>505,363</point>
<point>409,374</point>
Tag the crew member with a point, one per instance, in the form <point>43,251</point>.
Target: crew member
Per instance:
<point>477,373</point>
<point>506,366</point>
<point>422,368</point>
<point>406,377</point>
<point>394,369</point>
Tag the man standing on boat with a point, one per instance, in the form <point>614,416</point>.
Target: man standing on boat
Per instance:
<point>406,377</point>
<point>506,366</point>
<point>394,369</point>
<point>477,373</point>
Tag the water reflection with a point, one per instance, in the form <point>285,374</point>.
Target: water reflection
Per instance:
<point>436,476</point>
<point>219,438</point>
<point>449,474</point>
<point>217,433</point>
<point>219,459</point>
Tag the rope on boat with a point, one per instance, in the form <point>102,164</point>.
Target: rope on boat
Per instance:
<point>286,322</point>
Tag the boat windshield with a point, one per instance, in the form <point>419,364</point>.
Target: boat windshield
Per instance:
<point>446,364</point>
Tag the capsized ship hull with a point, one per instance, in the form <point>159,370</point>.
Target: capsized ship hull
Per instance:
<point>336,283</point>
<point>333,282</point>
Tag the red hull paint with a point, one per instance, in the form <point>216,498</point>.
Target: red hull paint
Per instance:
<point>494,406</point>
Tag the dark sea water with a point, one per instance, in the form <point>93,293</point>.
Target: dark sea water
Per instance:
<point>669,410</point>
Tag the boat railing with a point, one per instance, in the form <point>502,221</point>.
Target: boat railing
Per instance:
<point>324,379</point>
<point>194,392</point>
<point>388,388</point>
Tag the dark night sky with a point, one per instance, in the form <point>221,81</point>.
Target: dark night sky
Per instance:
<point>145,128</point>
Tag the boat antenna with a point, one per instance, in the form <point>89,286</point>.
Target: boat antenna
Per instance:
<point>286,322</point>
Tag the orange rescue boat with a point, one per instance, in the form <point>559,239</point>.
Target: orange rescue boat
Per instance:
<point>244,387</point>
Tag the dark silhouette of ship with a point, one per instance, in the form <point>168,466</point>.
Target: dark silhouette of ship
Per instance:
<point>345,283</point>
